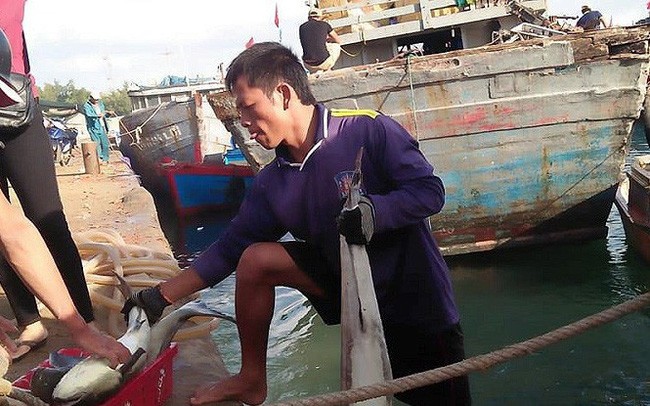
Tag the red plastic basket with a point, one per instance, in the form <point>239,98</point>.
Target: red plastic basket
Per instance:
<point>151,387</point>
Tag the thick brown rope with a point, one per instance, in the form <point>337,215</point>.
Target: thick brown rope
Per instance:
<point>478,363</point>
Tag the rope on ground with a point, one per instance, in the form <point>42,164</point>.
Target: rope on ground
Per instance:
<point>104,252</point>
<point>478,363</point>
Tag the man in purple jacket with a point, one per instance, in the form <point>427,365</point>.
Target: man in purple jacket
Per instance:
<point>302,192</point>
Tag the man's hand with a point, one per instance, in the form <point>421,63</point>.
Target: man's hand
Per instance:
<point>150,300</point>
<point>94,341</point>
<point>357,225</point>
<point>7,345</point>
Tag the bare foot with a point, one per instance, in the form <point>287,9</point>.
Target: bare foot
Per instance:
<point>235,388</point>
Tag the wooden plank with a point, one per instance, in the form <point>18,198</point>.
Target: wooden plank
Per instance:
<point>431,4</point>
<point>374,16</point>
<point>463,17</point>
<point>372,79</point>
<point>354,5</point>
<point>523,112</point>
<point>381,32</point>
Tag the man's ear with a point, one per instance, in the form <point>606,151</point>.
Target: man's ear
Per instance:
<point>285,92</point>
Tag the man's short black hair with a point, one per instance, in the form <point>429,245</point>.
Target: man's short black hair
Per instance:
<point>266,64</point>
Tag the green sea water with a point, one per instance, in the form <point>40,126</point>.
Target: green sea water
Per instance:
<point>504,298</point>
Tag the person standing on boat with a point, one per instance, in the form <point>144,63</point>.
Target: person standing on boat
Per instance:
<point>591,19</point>
<point>302,192</point>
<point>26,161</point>
<point>321,45</point>
<point>95,113</point>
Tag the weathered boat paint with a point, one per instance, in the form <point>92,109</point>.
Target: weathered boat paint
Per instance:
<point>529,138</point>
<point>165,145</point>
<point>633,204</point>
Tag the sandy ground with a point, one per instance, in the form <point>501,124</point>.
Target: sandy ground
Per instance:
<point>115,200</point>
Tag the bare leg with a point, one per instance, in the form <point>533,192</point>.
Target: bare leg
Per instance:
<point>261,268</point>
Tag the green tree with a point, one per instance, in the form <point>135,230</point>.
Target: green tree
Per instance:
<point>118,100</point>
<point>67,93</point>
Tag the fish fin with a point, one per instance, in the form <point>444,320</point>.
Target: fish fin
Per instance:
<point>123,286</point>
<point>199,308</point>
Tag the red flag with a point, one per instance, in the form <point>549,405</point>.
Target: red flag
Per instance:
<point>277,16</point>
<point>648,5</point>
<point>250,43</point>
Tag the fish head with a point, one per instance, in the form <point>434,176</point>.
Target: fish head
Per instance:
<point>91,379</point>
<point>44,380</point>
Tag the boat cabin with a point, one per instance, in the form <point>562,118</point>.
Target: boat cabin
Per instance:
<point>171,89</point>
<point>378,30</point>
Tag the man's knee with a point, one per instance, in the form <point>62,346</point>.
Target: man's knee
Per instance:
<point>258,262</point>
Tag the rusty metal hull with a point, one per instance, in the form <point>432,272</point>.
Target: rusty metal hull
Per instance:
<point>529,138</point>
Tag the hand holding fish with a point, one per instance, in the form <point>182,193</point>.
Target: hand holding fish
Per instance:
<point>150,300</point>
<point>94,341</point>
<point>357,225</point>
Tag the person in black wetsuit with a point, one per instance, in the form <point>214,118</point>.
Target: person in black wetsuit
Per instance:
<point>320,44</point>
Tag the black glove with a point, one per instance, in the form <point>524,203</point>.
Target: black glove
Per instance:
<point>357,225</point>
<point>150,300</point>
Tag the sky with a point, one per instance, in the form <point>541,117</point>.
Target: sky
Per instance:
<point>101,45</point>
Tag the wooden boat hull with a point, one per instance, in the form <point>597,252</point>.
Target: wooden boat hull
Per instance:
<point>199,188</point>
<point>529,138</point>
<point>165,150</point>
<point>633,204</point>
<point>646,117</point>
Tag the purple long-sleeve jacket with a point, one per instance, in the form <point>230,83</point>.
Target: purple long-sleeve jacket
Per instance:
<point>410,276</point>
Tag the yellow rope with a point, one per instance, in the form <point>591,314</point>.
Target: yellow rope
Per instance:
<point>478,363</point>
<point>349,54</point>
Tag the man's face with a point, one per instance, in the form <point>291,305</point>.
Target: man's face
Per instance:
<point>263,117</point>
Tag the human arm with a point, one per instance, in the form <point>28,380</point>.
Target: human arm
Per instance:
<point>89,111</point>
<point>254,222</point>
<point>603,22</point>
<point>332,36</point>
<point>416,192</point>
<point>24,248</point>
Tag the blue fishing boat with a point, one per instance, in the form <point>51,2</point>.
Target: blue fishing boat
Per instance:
<point>529,137</point>
<point>173,147</point>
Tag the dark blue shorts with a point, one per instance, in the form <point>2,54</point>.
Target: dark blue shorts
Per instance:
<point>410,349</point>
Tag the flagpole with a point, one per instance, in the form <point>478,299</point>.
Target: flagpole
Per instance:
<point>276,20</point>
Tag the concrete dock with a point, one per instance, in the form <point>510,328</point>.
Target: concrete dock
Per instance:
<point>115,200</point>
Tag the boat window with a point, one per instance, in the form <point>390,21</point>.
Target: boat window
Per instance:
<point>433,42</point>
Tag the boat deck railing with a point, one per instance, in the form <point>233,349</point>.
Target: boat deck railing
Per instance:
<point>360,21</point>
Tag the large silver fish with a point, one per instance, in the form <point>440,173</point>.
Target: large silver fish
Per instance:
<point>91,380</point>
<point>364,356</point>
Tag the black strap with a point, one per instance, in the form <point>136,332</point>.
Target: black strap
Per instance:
<point>25,56</point>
